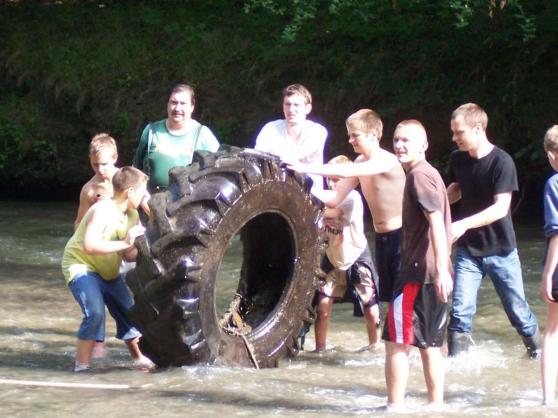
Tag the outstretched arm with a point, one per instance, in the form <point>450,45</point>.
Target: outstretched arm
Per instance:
<point>365,168</point>
<point>332,198</point>
<point>496,211</point>
<point>443,282</point>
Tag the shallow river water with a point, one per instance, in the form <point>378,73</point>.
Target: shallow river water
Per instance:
<point>39,318</point>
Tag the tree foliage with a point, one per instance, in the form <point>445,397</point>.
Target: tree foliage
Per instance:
<point>70,69</point>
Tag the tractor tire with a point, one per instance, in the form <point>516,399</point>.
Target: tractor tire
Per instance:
<point>236,192</point>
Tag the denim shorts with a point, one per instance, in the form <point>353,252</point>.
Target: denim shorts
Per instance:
<point>92,293</point>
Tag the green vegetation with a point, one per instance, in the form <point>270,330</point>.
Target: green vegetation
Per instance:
<point>70,69</point>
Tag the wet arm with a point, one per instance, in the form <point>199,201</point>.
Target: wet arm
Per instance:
<point>84,204</point>
<point>443,282</point>
<point>497,210</point>
<point>367,168</point>
<point>549,267</point>
<point>145,205</point>
<point>332,198</point>
<point>130,254</point>
<point>333,213</point>
<point>454,193</point>
<point>93,241</point>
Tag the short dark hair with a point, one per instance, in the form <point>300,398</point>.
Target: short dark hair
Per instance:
<point>184,88</point>
<point>415,123</point>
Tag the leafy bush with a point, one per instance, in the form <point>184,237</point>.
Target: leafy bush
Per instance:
<point>77,68</point>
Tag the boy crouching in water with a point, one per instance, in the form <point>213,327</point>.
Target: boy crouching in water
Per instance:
<point>418,311</point>
<point>91,263</point>
<point>348,262</point>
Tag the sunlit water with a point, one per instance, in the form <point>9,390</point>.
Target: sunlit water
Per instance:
<point>39,318</point>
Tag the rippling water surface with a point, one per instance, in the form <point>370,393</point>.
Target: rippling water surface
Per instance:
<point>39,318</point>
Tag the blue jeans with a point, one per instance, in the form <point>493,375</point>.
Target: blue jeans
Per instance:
<point>505,273</point>
<point>92,293</point>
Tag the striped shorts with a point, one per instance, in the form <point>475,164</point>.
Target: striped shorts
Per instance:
<point>416,317</point>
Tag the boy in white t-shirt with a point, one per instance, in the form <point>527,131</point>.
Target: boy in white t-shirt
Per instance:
<point>348,264</point>
<point>295,138</point>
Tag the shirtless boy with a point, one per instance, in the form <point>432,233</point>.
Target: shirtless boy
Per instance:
<point>102,156</point>
<point>102,191</point>
<point>382,180</point>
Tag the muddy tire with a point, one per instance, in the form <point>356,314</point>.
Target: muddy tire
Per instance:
<point>208,205</point>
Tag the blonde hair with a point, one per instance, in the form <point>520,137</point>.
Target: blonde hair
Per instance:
<point>101,142</point>
<point>367,121</point>
<point>472,114</point>
<point>127,177</point>
<point>297,89</point>
<point>551,139</point>
<point>340,159</point>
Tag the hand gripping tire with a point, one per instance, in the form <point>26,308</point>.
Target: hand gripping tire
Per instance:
<point>207,204</point>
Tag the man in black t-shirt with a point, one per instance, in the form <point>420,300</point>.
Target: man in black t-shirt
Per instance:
<point>483,177</point>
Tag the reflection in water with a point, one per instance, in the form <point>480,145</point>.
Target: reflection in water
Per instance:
<point>38,320</point>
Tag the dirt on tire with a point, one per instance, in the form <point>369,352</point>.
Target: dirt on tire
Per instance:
<point>218,198</point>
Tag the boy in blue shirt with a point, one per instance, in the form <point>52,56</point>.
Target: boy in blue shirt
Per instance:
<point>549,279</point>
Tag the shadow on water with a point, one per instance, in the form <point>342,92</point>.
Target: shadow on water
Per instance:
<point>49,358</point>
<point>275,403</point>
<point>31,272</point>
<point>279,394</point>
<point>6,332</point>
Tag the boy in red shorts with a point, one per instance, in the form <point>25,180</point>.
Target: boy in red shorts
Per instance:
<point>418,310</point>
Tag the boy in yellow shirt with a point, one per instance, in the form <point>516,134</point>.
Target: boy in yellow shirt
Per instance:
<point>91,264</point>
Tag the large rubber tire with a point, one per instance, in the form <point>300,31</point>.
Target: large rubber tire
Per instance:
<point>207,204</point>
